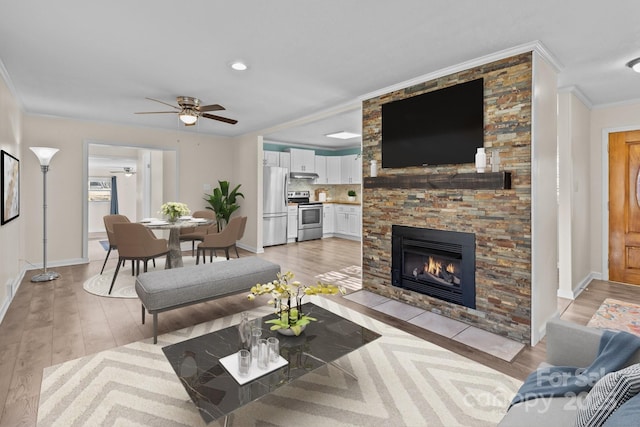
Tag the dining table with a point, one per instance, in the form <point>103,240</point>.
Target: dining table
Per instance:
<point>174,257</point>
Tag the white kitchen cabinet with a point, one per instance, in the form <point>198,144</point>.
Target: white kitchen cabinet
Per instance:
<point>342,223</point>
<point>351,169</point>
<point>321,170</point>
<point>302,160</point>
<point>328,219</point>
<point>348,221</point>
<point>271,158</point>
<point>285,160</point>
<point>292,223</point>
<point>354,219</point>
<point>334,169</point>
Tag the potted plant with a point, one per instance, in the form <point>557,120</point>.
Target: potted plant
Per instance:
<point>352,195</point>
<point>223,202</point>
<point>286,297</point>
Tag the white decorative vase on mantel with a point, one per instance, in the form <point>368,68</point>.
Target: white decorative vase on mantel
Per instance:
<point>481,160</point>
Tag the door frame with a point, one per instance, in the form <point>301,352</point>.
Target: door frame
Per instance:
<point>604,155</point>
<point>146,181</point>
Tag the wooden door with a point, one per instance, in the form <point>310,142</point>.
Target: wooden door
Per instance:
<point>624,207</point>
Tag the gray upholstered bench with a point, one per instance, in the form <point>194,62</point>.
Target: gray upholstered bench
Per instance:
<point>168,289</point>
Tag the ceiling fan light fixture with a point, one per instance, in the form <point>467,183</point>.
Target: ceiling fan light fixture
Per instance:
<point>188,117</point>
<point>239,66</point>
<point>634,65</point>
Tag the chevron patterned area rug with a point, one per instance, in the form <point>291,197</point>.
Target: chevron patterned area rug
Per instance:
<point>402,381</point>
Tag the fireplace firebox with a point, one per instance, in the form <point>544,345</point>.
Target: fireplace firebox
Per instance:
<point>438,263</point>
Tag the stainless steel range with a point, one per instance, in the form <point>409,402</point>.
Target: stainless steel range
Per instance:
<point>309,215</point>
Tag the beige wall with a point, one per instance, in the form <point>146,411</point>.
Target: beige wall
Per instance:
<point>603,121</point>
<point>574,195</point>
<point>247,171</point>
<point>11,244</point>
<point>544,206</point>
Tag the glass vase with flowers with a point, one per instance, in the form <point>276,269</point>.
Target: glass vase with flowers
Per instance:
<point>174,210</point>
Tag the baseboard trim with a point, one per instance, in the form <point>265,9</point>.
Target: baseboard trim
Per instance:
<point>577,290</point>
<point>13,289</point>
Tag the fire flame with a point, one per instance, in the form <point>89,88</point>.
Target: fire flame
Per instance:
<point>435,267</point>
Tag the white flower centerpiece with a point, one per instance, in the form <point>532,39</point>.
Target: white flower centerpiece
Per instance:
<point>174,210</point>
<point>287,297</point>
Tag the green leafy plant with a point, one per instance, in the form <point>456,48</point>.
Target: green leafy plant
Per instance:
<point>224,202</point>
<point>351,193</point>
<point>287,299</point>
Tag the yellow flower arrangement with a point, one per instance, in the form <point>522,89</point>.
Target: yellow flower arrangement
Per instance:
<point>287,297</point>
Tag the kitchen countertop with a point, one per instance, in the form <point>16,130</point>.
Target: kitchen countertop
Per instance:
<point>332,202</point>
<point>343,202</point>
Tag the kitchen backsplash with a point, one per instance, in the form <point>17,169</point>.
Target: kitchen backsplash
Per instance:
<point>337,192</point>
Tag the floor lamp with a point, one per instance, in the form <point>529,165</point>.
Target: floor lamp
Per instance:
<point>44,155</point>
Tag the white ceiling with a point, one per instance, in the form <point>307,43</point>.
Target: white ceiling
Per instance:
<point>98,61</point>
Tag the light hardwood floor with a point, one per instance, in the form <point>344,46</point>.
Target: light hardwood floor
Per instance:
<point>49,323</point>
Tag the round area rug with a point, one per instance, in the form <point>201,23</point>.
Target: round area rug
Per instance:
<point>125,282</point>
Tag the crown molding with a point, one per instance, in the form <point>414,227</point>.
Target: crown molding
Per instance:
<point>535,46</point>
<point>329,112</point>
<point>575,90</point>
<point>9,83</point>
<point>617,104</point>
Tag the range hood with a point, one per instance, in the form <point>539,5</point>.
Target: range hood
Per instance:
<point>303,175</point>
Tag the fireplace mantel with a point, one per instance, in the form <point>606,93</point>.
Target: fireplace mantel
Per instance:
<point>457,181</point>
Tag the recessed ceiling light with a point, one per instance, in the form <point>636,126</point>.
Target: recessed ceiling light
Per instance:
<point>239,66</point>
<point>634,65</point>
<point>343,135</point>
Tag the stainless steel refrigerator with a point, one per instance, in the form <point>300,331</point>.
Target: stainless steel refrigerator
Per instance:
<point>274,213</point>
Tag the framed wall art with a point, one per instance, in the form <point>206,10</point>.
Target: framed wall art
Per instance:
<point>10,187</point>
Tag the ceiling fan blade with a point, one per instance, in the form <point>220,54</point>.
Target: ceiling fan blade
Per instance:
<point>212,107</point>
<point>162,102</point>
<point>221,119</point>
<point>156,112</point>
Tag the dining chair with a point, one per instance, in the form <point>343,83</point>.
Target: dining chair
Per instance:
<point>137,243</point>
<point>223,240</point>
<point>109,220</point>
<point>198,232</point>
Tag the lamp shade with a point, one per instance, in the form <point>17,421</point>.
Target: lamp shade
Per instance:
<point>44,154</point>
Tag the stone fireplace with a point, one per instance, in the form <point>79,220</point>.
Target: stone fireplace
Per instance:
<point>438,263</point>
<point>498,217</point>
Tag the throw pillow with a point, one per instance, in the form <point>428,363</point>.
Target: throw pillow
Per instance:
<point>607,395</point>
<point>626,415</point>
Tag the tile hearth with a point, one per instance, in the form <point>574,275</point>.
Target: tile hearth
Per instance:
<point>479,339</point>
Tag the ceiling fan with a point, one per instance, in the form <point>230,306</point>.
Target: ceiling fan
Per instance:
<point>127,171</point>
<point>190,109</point>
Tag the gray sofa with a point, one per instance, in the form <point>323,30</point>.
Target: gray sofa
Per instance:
<point>568,344</point>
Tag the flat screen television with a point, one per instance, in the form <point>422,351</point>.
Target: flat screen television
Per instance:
<point>441,127</point>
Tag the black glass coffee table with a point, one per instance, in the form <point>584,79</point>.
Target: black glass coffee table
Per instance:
<point>216,393</point>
